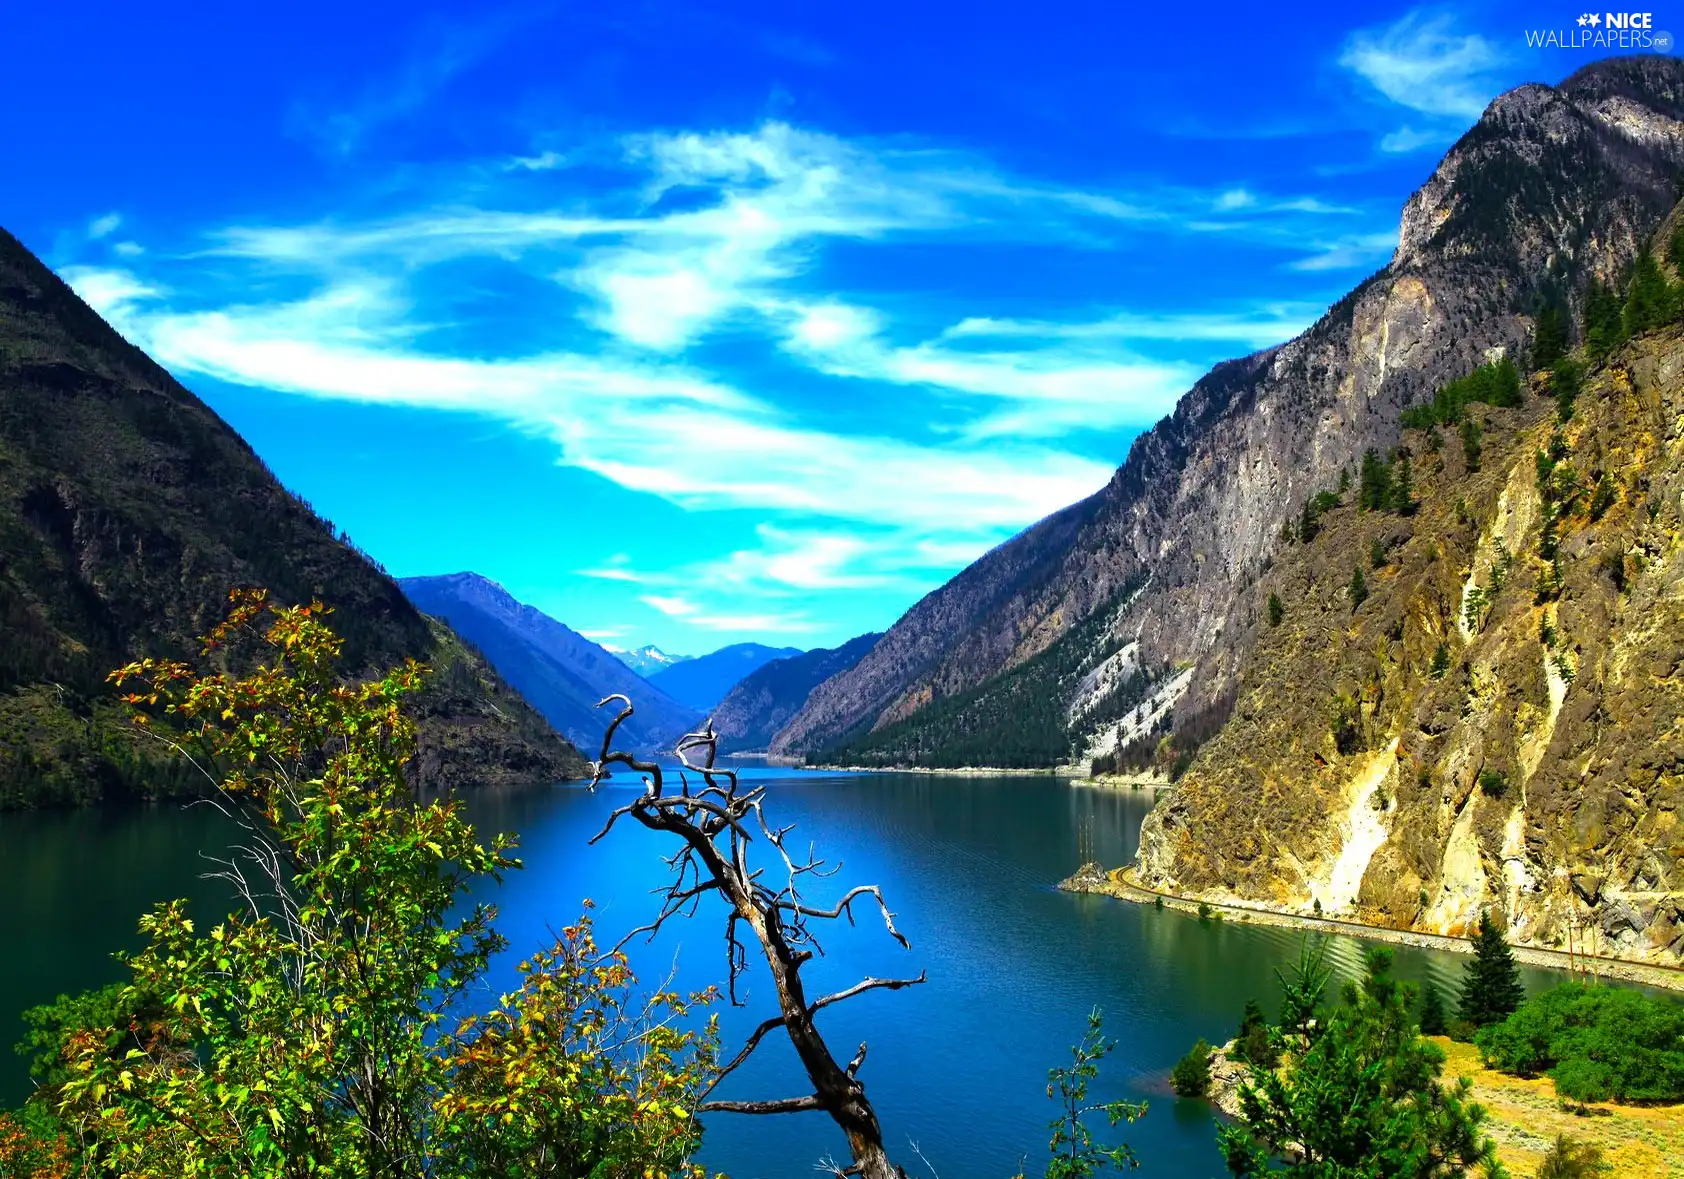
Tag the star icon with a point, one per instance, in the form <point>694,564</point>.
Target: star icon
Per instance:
<point>1583,21</point>
<point>1595,20</point>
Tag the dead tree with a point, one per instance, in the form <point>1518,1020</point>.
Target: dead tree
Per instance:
<point>716,824</point>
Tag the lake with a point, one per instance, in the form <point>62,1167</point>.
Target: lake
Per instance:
<point>958,1065</point>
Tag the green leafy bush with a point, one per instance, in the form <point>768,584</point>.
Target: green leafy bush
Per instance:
<point>1598,1043</point>
<point>1191,1076</point>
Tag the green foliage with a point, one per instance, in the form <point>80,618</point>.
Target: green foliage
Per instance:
<point>1549,336</point>
<point>1603,499</point>
<point>1496,383</point>
<point>1074,1153</point>
<point>1191,1075</point>
<point>1403,488</point>
<point>1566,380</point>
<point>1358,589</point>
<point>1433,1021</point>
<point>1441,662</point>
<point>1302,986</point>
<point>1471,447</point>
<point>1598,1043</point>
<point>1374,487</point>
<point>1473,608</point>
<point>1491,987</point>
<point>1568,1158</point>
<point>1276,610</point>
<point>1326,501</point>
<point>1255,1041</point>
<point>317,1033</point>
<point>1377,555</point>
<point>1604,321</point>
<point>1493,783</point>
<point>1650,298</point>
<point>1360,1099</point>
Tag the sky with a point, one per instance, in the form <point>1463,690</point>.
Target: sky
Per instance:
<point>697,323</point>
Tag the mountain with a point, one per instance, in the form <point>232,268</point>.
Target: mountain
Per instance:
<point>703,682</point>
<point>561,672</point>
<point>647,661</point>
<point>1401,717</point>
<point>766,698</point>
<point>128,510</point>
<point>1118,615</point>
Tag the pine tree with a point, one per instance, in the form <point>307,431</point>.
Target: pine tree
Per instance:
<point>1374,488</point>
<point>1565,376</point>
<point>1604,321</point>
<point>1276,610</point>
<point>1308,526</point>
<point>1471,434</point>
<point>1358,589</point>
<point>1433,1020</point>
<point>1491,987</point>
<point>1253,1041</point>
<point>1377,557</point>
<point>1649,297</point>
<point>1441,662</point>
<point>1191,1076</point>
<point>1549,336</point>
<point>1403,488</point>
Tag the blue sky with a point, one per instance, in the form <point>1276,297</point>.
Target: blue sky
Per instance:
<point>693,323</point>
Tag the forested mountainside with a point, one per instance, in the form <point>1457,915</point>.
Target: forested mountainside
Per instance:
<point>560,672</point>
<point>762,701</point>
<point>128,510</point>
<point>1132,599</point>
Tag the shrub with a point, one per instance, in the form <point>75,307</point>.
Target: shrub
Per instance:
<point>1598,1043</point>
<point>1191,1075</point>
<point>1493,783</point>
<point>1276,610</point>
<point>1358,589</point>
<point>1568,1159</point>
<point>1255,1042</point>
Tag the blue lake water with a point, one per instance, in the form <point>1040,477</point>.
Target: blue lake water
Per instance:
<point>958,1065</point>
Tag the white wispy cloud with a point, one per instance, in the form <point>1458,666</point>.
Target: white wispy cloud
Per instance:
<point>1423,63</point>
<point>1408,139</point>
<point>1359,250</point>
<point>104,226</point>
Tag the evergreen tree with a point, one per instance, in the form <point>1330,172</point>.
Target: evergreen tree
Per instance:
<point>1604,321</point>
<point>1491,987</point>
<point>1471,448</point>
<point>1441,662</point>
<point>1308,526</point>
<point>1302,987</point>
<point>1549,336</point>
<point>1433,1020</point>
<point>1254,1041</point>
<point>1565,377</point>
<point>1276,610</point>
<point>1362,1100</point>
<point>1358,589</point>
<point>1403,488</point>
<point>1374,488</point>
<point>1191,1076</point>
<point>1649,297</point>
<point>1377,554</point>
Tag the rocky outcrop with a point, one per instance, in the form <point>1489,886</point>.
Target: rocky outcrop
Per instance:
<point>1491,727</point>
<point>1554,186</point>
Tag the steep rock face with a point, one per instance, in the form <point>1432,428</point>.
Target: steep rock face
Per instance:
<point>128,510</point>
<point>1551,188</point>
<point>754,710</point>
<point>562,673</point>
<point>1537,766</point>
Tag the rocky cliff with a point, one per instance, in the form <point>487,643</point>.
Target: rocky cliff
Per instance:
<point>128,509</point>
<point>1500,720</point>
<point>1553,188</point>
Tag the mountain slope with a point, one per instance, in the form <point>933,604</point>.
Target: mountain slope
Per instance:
<point>128,509</point>
<point>561,672</point>
<point>702,682</point>
<point>1501,721</point>
<point>646,661</point>
<point>1553,187</point>
<point>766,698</point>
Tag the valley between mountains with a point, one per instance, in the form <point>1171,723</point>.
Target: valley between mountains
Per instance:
<point>1401,664</point>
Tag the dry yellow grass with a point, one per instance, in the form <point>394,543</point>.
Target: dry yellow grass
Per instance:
<point>1641,1142</point>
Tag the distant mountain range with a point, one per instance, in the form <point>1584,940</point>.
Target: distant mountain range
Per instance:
<point>128,510</point>
<point>762,701</point>
<point>646,661</point>
<point>560,671</point>
<point>703,682</point>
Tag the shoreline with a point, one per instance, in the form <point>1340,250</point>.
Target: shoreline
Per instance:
<point>1115,884</point>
